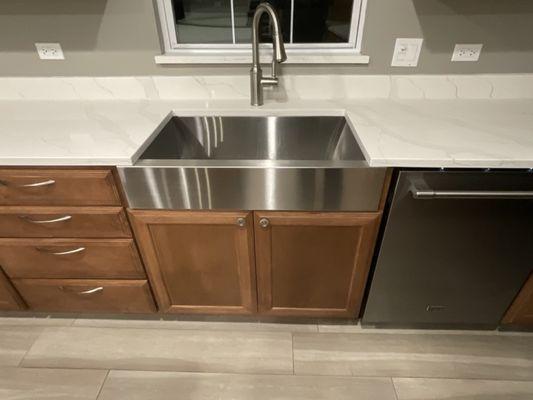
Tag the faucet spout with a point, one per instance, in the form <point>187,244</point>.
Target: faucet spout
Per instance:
<point>257,81</point>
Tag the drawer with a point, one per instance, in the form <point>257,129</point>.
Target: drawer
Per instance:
<point>78,295</point>
<point>71,258</point>
<point>89,222</point>
<point>58,187</point>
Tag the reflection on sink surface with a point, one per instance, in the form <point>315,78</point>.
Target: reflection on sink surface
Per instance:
<point>255,138</point>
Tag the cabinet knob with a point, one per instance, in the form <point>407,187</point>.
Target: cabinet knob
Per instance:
<point>264,222</point>
<point>241,222</point>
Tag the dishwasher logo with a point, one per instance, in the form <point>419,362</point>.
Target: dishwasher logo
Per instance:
<point>433,308</point>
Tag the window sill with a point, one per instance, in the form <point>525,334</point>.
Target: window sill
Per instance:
<point>245,57</point>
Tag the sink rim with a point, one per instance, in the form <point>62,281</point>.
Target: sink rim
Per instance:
<point>256,162</point>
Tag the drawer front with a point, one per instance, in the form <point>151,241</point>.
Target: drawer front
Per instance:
<point>78,295</point>
<point>89,222</point>
<point>55,187</point>
<point>70,258</point>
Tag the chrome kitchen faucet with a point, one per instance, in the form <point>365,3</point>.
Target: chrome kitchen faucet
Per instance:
<point>257,81</point>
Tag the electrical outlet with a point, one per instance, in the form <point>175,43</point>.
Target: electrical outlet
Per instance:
<point>406,52</point>
<point>466,52</point>
<point>50,51</point>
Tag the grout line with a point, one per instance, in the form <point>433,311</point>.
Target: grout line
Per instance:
<point>19,364</point>
<point>292,348</point>
<point>259,373</point>
<point>102,385</point>
<point>197,328</point>
<point>394,388</point>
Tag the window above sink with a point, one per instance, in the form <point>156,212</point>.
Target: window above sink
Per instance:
<point>219,31</point>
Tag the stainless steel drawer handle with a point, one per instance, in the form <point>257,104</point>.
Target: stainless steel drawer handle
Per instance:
<point>420,190</point>
<point>46,221</point>
<point>264,223</point>
<point>48,182</point>
<point>62,253</point>
<point>90,291</point>
<point>241,222</point>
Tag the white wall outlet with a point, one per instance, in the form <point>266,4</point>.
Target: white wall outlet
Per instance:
<point>406,52</point>
<point>50,51</point>
<point>466,52</point>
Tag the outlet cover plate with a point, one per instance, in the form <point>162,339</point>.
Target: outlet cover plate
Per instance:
<point>466,52</point>
<point>50,51</point>
<point>406,52</point>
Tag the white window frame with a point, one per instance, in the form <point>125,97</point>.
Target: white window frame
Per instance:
<point>238,53</point>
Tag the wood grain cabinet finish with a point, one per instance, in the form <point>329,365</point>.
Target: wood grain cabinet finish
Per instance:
<point>89,222</point>
<point>520,313</point>
<point>198,262</point>
<point>71,258</point>
<point>85,295</point>
<point>313,264</point>
<point>58,187</point>
<point>9,298</point>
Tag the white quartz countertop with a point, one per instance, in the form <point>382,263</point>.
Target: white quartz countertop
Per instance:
<point>478,121</point>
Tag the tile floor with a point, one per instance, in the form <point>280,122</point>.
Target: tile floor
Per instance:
<point>89,359</point>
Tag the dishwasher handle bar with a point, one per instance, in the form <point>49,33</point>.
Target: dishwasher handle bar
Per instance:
<point>420,190</point>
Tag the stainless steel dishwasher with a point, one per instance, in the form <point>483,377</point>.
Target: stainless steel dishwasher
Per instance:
<point>455,251</point>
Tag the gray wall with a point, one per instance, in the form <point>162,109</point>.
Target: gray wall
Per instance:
<point>119,37</point>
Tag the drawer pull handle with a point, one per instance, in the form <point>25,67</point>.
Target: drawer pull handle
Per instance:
<point>48,182</point>
<point>264,223</point>
<point>90,291</point>
<point>46,221</point>
<point>62,253</point>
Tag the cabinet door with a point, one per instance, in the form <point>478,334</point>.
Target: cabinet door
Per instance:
<point>520,313</point>
<point>313,264</point>
<point>9,299</point>
<point>198,262</point>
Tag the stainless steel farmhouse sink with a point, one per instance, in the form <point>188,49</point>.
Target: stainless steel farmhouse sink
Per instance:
<point>310,163</point>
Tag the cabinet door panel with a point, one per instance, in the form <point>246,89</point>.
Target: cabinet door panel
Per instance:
<point>198,262</point>
<point>520,314</point>
<point>313,264</point>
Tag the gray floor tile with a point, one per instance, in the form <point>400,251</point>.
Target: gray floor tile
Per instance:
<point>134,385</point>
<point>197,325</point>
<point>172,350</point>
<point>415,355</point>
<point>453,389</point>
<point>49,384</point>
<point>15,342</point>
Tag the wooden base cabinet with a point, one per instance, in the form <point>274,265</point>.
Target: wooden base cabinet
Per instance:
<point>198,262</point>
<point>520,314</point>
<point>9,298</point>
<point>313,264</point>
<point>307,264</point>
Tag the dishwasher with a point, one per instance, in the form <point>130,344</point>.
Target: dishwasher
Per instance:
<point>455,251</point>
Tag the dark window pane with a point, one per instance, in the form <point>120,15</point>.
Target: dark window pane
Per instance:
<point>244,12</point>
<point>203,21</point>
<point>322,21</point>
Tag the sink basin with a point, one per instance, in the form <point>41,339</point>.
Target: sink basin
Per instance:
<point>255,138</point>
<point>299,163</point>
